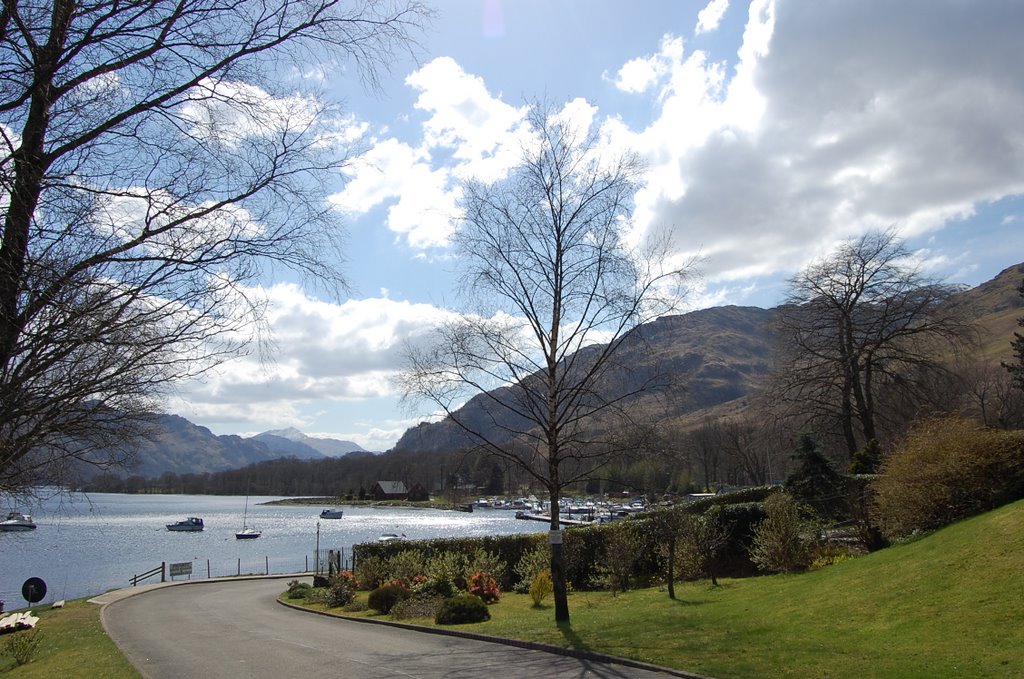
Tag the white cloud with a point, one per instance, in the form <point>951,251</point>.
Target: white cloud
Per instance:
<point>336,352</point>
<point>836,118</point>
<point>710,17</point>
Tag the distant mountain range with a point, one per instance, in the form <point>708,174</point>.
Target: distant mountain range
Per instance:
<point>719,356</point>
<point>181,447</point>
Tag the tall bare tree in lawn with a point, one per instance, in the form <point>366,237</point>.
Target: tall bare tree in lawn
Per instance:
<point>152,169</point>
<point>557,291</point>
<point>861,331</point>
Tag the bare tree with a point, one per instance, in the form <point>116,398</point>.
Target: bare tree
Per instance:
<point>858,326</point>
<point>560,292</point>
<point>152,171</point>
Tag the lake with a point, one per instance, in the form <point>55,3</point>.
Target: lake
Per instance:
<point>86,545</point>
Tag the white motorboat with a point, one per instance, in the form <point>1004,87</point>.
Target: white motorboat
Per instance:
<point>190,525</point>
<point>391,537</point>
<point>331,514</point>
<point>16,521</point>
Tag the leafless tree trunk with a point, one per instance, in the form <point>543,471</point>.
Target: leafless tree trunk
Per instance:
<point>152,172</point>
<point>860,324</point>
<point>558,291</point>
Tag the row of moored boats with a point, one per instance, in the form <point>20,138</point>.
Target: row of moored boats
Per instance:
<point>194,524</point>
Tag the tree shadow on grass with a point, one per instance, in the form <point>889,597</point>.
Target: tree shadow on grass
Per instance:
<point>572,639</point>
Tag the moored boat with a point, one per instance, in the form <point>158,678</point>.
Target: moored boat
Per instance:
<point>190,525</point>
<point>247,533</point>
<point>390,537</point>
<point>331,514</point>
<point>16,521</point>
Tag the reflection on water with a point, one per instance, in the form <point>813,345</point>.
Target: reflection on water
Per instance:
<point>85,545</point>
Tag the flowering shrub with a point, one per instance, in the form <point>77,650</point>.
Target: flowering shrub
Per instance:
<point>484,586</point>
<point>348,576</point>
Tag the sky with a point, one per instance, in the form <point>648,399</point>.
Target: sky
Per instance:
<point>772,131</point>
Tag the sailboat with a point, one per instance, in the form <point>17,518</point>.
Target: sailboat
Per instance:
<point>247,533</point>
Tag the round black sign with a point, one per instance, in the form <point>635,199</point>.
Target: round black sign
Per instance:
<point>33,590</point>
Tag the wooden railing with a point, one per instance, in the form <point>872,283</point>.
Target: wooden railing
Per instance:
<point>161,569</point>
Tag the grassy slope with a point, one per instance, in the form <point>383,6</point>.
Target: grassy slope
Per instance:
<point>948,605</point>
<point>72,644</point>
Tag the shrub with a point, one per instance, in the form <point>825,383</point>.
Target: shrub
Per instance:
<point>484,586</point>
<point>385,597</point>
<point>447,570</point>
<point>340,592</point>
<point>482,560</point>
<point>371,571</point>
<point>945,470</point>
<point>298,590</point>
<point>417,607</point>
<point>404,567</point>
<point>22,646</point>
<point>541,587</point>
<point>461,609</point>
<point>779,545</point>
<point>532,563</point>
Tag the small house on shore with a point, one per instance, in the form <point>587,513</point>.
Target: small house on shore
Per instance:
<point>390,490</point>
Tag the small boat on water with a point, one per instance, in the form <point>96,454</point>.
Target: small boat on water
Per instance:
<point>331,514</point>
<point>247,533</point>
<point>190,525</point>
<point>16,521</point>
<point>391,537</point>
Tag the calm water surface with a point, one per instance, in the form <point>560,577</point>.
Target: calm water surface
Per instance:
<point>86,545</point>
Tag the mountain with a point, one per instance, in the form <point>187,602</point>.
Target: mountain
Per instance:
<point>181,447</point>
<point>719,356</point>
<point>326,447</point>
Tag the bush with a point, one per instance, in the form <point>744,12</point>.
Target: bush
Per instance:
<point>22,646</point>
<point>541,587</point>
<point>446,573</point>
<point>371,571</point>
<point>484,586</point>
<point>533,562</point>
<point>298,590</point>
<point>404,567</point>
<point>385,597</point>
<point>947,469</point>
<point>462,609</point>
<point>416,607</point>
<point>340,592</point>
<point>779,544</point>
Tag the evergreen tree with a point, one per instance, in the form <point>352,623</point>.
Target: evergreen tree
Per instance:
<point>1016,368</point>
<point>814,481</point>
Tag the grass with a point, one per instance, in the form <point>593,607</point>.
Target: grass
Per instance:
<point>947,605</point>
<point>72,644</point>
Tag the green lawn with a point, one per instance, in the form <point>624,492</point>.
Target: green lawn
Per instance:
<point>72,644</point>
<point>948,605</point>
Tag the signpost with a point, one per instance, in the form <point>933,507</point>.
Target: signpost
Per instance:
<point>183,568</point>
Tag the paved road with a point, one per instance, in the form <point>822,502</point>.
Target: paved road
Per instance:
<point>229,629</point>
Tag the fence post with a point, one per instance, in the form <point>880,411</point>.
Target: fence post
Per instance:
<point>163,571</point>
<point>267,559</point>
<point>207,569</point>
<point>307,564</point>
<point>239,566</point>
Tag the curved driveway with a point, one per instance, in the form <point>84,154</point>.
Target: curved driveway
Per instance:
<point>229,629</point>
